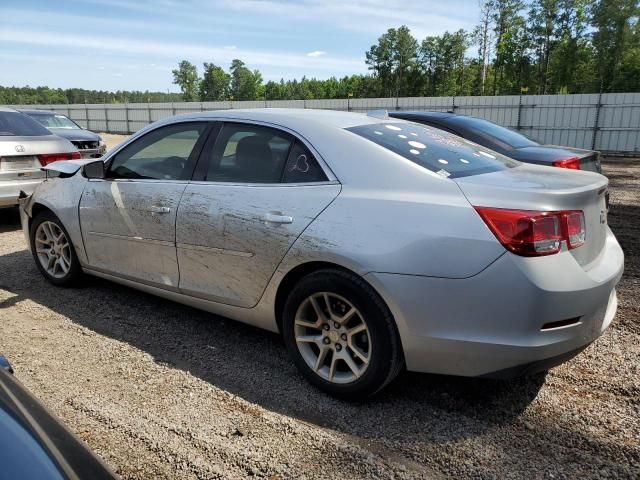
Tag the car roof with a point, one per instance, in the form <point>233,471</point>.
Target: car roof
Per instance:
<point>7,109</point>
<point>37,112</point>
<point>293,118</point>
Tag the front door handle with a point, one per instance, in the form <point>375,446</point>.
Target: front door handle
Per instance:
<point>276,217</point>
<point>159,209</point>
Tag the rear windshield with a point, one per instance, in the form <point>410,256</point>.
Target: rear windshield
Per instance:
<point>436,150</point>
<point>18,124</point>
<point>510,137</point>
<point>54,120</point>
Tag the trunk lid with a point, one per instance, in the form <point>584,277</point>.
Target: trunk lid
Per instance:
<point>531,187</point>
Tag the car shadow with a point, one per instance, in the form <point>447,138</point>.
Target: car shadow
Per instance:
<point>9,219</point>
<point>416,409</point>
<point>253,364</point>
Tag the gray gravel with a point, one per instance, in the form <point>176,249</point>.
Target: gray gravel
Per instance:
<point>160,390</point>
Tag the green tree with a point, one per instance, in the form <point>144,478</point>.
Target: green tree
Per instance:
<point>394,60</point>
<point>616,31</point>
<point>215,83</point>
<point>186,76</point>
<point>245,84</point>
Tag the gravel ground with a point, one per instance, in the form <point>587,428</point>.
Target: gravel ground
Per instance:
<point>160,390</point>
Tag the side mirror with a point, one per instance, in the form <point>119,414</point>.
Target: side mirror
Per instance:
<point>94,169</point>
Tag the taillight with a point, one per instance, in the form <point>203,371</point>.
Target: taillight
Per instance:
<point>47,158</point>
<point>531,233</point>
<point>574,228</point>
<point>572,163</point>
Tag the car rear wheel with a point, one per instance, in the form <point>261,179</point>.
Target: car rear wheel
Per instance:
<point>341,335</point>
<point>53,251</point>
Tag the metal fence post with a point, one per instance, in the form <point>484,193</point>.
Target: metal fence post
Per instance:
<point>596,126</point>
<point>519,126</point>
<point>173,108</point>
<point>106,118</point>
<point>86,115</point>
<point>149,112</point>
<point>126,117</point>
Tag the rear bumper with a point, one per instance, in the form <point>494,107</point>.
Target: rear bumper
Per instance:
<point>10,189</point>
<point>496,323</point>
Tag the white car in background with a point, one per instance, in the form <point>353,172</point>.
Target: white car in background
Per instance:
<point>26,147</point>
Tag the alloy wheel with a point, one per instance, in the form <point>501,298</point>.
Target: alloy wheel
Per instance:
<point>333,337</point>
<point>53,249</point>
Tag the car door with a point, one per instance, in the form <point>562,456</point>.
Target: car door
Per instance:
<point>128,218</point>
<point>255,190</point>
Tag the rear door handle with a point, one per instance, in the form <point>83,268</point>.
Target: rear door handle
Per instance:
<point>159,209</point>
<point>276,217</point>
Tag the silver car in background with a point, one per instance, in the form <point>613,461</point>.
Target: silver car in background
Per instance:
<point>369,243</point>
<point>25,147</point>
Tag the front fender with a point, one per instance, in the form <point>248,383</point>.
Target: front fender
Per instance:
<point>62,196</point>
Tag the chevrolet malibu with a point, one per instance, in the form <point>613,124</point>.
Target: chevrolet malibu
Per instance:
<point>371,244</point>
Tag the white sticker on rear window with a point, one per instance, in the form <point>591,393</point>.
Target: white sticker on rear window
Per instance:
<point>393,127</point>
<point>443,173</point>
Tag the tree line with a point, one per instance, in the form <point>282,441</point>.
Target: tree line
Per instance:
<point>56,96</point>
<point>517,47</point>
<point>520,47</point>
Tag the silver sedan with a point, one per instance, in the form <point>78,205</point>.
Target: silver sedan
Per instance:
<point>26,146</point>
<point>371,244</point>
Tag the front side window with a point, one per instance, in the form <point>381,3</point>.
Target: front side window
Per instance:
<point>246,153</point>
<point>163,154</point>
<point>434,149</point>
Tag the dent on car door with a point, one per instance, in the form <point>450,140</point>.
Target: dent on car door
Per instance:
<point>257,190</point>
<point>128,218</point>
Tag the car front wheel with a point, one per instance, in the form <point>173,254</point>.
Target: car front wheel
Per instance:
<point>341,335</point>
<point>53,251</point>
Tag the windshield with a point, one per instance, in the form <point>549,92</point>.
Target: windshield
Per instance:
<point>510,137</point>
<point>436,150</point>
<point>18,124</point>
<point>55,120</point>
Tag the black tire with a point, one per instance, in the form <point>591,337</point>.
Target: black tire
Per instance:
<point>386,359</point>
<point>74,272</point>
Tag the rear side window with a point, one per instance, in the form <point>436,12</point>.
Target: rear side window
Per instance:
<point>436,150</point>
<point>19,124</point>
<point>302,167</point>
<point>500,133</point>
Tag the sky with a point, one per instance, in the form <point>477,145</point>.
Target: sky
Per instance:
<point>134,44</point>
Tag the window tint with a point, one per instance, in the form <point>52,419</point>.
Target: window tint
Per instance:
<point>302,167</point>
<point>505,135</point>
<point>247,153</point>
<point>19,124</point>
<point>162,154</point>
<point>434,149</point>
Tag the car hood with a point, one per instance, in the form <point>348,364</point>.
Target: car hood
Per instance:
<point>76,135</point>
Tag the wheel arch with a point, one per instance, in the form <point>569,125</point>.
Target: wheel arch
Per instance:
<point>294,275</point>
